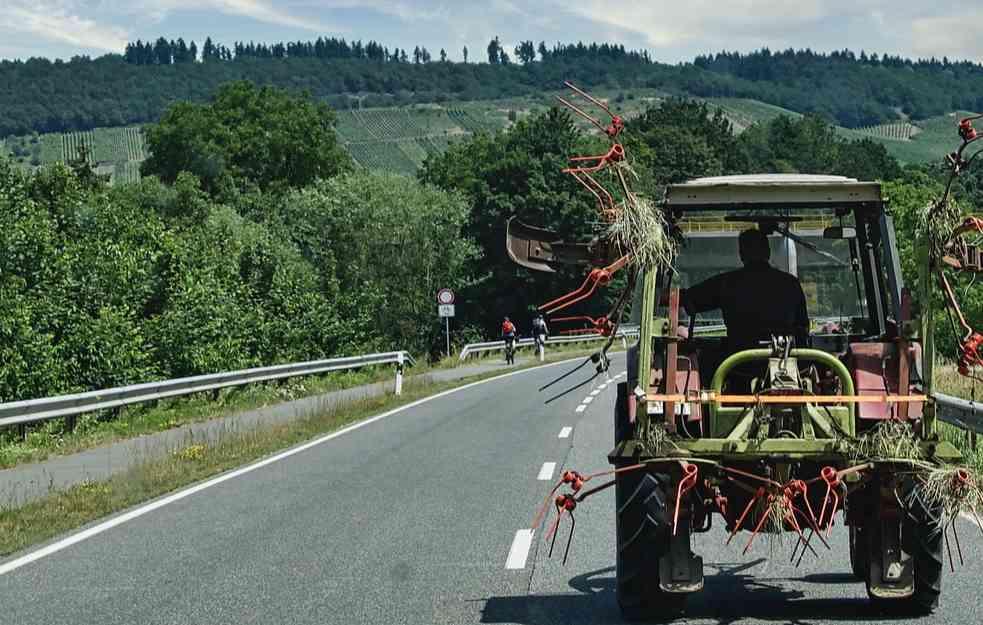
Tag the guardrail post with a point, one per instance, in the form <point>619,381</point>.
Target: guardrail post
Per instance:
<point>399,373</point>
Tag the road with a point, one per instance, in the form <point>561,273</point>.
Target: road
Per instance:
<point>414,519</point>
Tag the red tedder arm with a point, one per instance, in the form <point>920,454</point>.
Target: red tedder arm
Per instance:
<point>596,278</point>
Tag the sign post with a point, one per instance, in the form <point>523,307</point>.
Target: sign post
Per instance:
<point>445,309</point>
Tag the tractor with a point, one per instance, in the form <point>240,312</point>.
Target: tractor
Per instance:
<point>772,438</point>
<point>831,427</point>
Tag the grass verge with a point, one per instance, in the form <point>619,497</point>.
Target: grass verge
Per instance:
<point>101,428</point>
<point>195,460</point>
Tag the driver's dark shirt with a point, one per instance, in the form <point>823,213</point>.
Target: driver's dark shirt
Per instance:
<point>757,301</point>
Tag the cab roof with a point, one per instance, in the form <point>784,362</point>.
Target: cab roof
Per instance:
<point>762,191</point>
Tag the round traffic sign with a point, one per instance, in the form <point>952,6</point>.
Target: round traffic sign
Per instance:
<point>445,296</point>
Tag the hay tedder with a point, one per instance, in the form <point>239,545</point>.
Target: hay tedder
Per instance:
<point>791,438</point>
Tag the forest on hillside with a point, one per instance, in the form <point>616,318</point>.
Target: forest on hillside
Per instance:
<point>136,87</point>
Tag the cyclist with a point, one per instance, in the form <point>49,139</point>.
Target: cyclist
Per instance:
<point>508,335</point>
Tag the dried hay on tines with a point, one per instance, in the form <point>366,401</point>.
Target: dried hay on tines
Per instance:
<point>938,222</point>
<point>952,490</point>
<point>888,440</point>
<point>639,229</point>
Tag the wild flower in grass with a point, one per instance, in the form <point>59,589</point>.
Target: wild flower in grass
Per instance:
<point>191,453</point>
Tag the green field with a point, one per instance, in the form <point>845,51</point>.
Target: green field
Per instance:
<point>400,138</point>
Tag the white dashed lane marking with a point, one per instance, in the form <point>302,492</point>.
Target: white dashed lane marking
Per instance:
<point>519,550</point>
<point>522,542</point>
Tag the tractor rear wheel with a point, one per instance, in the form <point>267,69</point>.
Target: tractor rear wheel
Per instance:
<point>921,537</point>
<point>642,532</point>
<point>643,526</point>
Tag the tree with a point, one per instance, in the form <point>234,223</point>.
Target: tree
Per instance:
<point>517,174</point>
<point>465,51</point>
<point>417,55</point>
<point>207,50</point>
<point>494,51</point>
<point>162,52</point>
<point>682,139</point>
<point>401,241</point>
<point>246,135</point>
<point>526,52</point>
<point>443,55</point>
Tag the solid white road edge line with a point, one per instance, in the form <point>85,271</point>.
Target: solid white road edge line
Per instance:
<point>95,530</point>
<point>546,472</point>
<point>565,432</point>
<point>519,550</point>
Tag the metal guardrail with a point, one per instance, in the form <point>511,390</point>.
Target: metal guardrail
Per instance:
<point>959,412</point>
<point>32,410</point>
<point>475,348</point>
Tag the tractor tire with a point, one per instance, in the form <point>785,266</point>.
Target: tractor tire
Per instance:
<point>858,553</point>
<point>642,539</point>
<point>921,536</point>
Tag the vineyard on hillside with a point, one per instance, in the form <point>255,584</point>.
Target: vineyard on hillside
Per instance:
<point>114,152</point>
<point>743,113</point>
<point>898,131</point>
<point>400,139</point>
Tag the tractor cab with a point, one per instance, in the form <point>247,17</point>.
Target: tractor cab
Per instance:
<point>832,235</point>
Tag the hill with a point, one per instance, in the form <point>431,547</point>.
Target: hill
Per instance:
<point>119,90</point>
<point>400,138</point>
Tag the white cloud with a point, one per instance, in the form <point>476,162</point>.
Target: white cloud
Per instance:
<point>59,21</point>
<point>408,11</point>
<point>255,9</point>
<point>948,35</point>
<point>907,27</point>
<point>667,24</point>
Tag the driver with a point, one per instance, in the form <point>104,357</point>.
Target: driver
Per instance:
<point>757,301</point>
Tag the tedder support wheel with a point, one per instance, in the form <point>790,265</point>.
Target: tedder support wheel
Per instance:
<point>643,526</point>
<point>921,537</point>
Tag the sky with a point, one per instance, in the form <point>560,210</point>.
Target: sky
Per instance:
<point>672,31</point>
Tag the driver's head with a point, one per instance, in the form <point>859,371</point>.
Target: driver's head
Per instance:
<point>753,247</point>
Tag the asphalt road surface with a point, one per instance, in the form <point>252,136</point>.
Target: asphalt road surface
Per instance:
<point>421,517</point>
